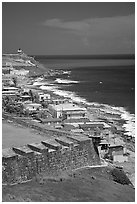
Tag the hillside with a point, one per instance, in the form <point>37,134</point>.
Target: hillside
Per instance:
<point>94,185</point>
<point>23,61</point>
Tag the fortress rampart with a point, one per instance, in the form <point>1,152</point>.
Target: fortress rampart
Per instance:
<point>51,156</point>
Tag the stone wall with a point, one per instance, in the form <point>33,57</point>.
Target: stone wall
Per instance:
<point>49,157</point>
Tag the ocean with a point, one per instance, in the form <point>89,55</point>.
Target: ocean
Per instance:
<point>103,81</point>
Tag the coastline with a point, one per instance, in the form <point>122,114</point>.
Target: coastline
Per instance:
<point>51,87</point>
<point>122,113</point>
<point>116,113</point>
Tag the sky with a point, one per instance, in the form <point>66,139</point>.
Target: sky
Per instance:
<point>56,28</point>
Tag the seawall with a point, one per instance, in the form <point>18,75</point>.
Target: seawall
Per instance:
<point>21,164</point>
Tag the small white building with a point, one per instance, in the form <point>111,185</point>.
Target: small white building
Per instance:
<point>117,153</point>
<point>44,96</point>
<point>74,114</point>
<point>67,111</point>
<point>120,158</point>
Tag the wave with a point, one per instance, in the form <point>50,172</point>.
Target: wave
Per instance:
<point>129,125</point>
<point>66,72</point>
<point>37,83</point>
<point>56,72</point>
<point>48,88</point>
<point>39,79</point>
<point>65,81</point>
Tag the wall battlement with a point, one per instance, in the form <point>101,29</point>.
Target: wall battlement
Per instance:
<point>49,157</point>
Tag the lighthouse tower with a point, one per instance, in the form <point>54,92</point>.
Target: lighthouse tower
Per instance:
<point>20,51</point>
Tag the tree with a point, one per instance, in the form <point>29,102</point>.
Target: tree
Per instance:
<point>44,104</point>
<point>15,81</point>
<point>31,95</point>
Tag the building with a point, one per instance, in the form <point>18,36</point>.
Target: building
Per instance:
<point>44,96</point>
<point>96,139</point>
<point>21,72</point>
<point>76,122</point>
<point>113,152</point>
<point>58,101</point>
<point>67,111</point>
<point>91,126</point>
<point>113,148</point>
<point>116,153</point>
<point>7,91</point>
<point>32,107</point>
<point>119,158</point>
<point>104,144</point>
<point>74,114</point>
<point>103,148</point>
<point>52,121</point>
<point>77,130</point>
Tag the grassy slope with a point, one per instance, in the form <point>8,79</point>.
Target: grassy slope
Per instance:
<point>39,69</point>
<point>81,186</point>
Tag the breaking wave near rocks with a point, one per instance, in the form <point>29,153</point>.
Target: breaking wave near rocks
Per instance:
<point>65,81</point>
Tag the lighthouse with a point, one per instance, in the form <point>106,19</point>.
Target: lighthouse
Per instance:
<point>20,51</point>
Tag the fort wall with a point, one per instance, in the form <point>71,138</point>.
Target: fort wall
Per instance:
<point>20,164</point>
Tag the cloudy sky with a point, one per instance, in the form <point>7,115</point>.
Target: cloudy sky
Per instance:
<point>68,28</point>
